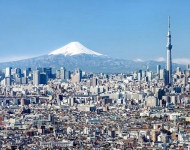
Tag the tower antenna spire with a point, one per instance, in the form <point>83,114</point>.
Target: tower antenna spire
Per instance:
<point>168,23</point>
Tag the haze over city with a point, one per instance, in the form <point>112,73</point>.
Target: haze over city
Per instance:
<point>122,29</point>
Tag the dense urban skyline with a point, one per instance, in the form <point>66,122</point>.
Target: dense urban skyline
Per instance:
<point>75,96</point>
<point>126,29</point>
<point>80,110</point>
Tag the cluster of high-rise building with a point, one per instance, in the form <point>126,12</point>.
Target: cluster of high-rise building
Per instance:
<point>12,76</point>
<point>40,109</point>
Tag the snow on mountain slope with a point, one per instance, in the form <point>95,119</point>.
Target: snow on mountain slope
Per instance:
<point>74,48</point>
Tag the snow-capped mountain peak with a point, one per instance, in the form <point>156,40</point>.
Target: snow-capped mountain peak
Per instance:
<point>74,48</point>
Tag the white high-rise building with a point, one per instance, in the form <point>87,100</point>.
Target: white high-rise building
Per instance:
<point>62,73</point>
<point>36,77</point>
<point>149,75</point>
<point>8,72</point>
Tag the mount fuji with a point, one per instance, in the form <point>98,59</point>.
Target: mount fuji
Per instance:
<point>75,55</point>
<point>74,48</point>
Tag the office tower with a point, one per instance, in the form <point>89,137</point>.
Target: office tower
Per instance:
<point>24,80</point>
<point>67,75</point>
<point>8,81</point>
<point>18,72</point>
<point>162,73</point>
<point>139,76</point>
<point>143,74</point>
<point>164,76</point>
<point>149,75</point>
<point>178,70</point>
<point>158,69</point>
<point>62,73</point>
<point>18,80</point>
<point>79,73</point>
<point>8,72</point>
<point>36,77</point>
<point>134,75</point>
<point>169,57</point>
<point>26,72</point>
<point>43,78</point>
<point>93,82</point>
<point>57,74</point>
<point>76,78</point>
<point>48,72</point>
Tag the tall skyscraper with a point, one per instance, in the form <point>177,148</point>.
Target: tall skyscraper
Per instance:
<point>8,81</point>
<point>76,78</point>
<point>164,76</point>
<point>26,72</point>
<point>169,57</point>
<point>62,73</point>
<point>57,74</point>
<point>67,75</point>
<point>48,72</point>
<point>43,78</point>
<point>139,75</point>
<point>18,72</point>
<point>36,77</point>
<point>93,82</point>
<point>78,72</point>
<point>149,75</point>
<point>8,72</point>
<point>158,69</point>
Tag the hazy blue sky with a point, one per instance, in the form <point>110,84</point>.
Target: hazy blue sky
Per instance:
<point>129,29</point>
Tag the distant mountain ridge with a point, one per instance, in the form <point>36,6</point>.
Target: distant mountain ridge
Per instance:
<point>75,55</point>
